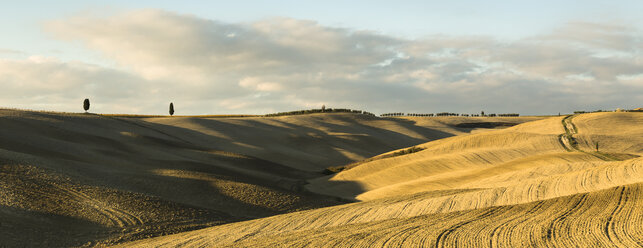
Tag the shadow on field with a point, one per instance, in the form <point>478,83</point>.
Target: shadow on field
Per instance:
<point>24,228</point>
<point>156,179</point>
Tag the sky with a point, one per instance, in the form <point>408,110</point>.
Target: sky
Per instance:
<point>257,57</point>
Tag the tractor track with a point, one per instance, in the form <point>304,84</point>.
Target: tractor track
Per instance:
<point>570,144</point>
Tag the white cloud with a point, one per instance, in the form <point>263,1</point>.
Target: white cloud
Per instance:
<point>259,85</point>
<point>47,83</point>
<point>283,64</point>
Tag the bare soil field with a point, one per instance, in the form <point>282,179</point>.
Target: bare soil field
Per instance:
<point>69,180</point>
<point>541,183</point>
<point>74,180</point>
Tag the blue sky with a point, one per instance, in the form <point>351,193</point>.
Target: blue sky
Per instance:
<point>488,46</point>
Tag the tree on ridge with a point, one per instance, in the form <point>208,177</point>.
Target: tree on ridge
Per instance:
<point>86,104</point>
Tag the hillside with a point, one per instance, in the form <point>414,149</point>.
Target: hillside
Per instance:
<point>534,184</point>
<point>85,179</point>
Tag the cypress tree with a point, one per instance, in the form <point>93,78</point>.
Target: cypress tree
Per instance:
<point>86,104</point>
<point>171,109</point>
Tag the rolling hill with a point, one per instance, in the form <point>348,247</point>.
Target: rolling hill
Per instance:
<point>85,179</point>
<point>539,183</point>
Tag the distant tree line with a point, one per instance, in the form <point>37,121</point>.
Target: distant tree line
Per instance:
<point>322,110</point>
<point>596,111</point>
<point>617,110</point>
<point>446,114</point>
<point>392,114</point>
<point>449,114</point>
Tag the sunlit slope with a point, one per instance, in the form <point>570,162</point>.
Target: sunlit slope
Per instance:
<point>537,212</point>
<point>605,218</point>
<point>522,188</point>
<point>614,132</point>
<point>447,163</point>
<point>469,161</point>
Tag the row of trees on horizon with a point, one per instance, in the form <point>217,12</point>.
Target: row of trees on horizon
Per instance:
<point>321,110</point>
<point>449,114</point>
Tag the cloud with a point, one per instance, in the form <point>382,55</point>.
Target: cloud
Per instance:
<point>602,36</point>
<point>281,64</point>
<point>49,84</point>
<point>257,84</point>
<point>10,52</point>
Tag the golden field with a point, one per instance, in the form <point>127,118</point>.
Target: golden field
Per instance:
<point>93,180</point>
